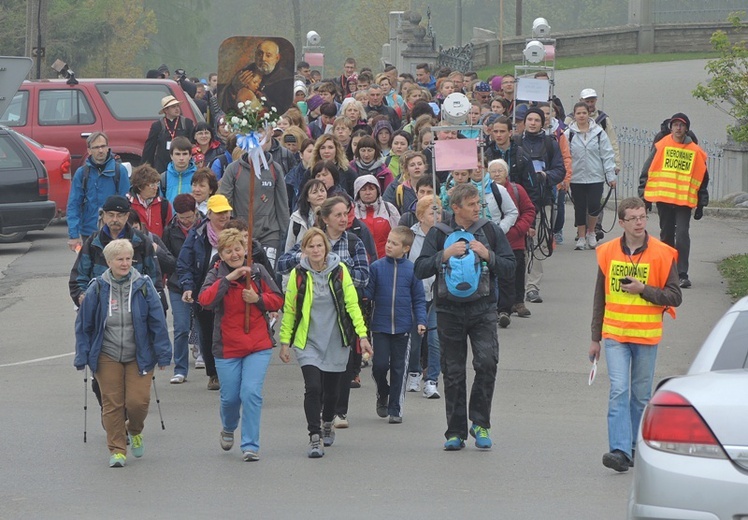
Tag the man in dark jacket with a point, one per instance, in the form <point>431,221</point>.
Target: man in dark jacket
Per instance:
<point>377,106</point>
<point>457,321</point>
<point>520,165</point>
<point>163,131</point>
<point>91,263</point>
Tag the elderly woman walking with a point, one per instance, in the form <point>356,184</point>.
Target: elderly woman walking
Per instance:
<point>120,333</point>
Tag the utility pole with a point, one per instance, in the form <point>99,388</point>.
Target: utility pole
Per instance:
<point>297,41</point>
<point>518,19</point>
<point>458,23</point>
<point>36,26</point>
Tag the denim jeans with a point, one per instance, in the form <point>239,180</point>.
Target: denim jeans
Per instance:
<point>390,356</point>
<point>180,311</point>
<point>414,351</point>
<point>631,370</point>
<point>434,366</point>
<point>241,389</point>
<point>558,226</point>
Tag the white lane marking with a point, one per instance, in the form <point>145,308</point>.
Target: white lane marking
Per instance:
<point>37,360</point>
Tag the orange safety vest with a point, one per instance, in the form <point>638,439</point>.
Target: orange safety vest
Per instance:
<point>629,318</point>
<point>676,173</point>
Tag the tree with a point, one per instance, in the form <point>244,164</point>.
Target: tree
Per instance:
<point>727,89</point>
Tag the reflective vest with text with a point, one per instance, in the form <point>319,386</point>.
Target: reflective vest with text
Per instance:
<point>676,173</point>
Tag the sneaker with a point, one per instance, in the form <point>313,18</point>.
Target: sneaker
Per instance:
<point>591,241</point>
<point>117,460</point>
<point>213,383</point>
<point>504,320</point>
<point>227,440</point>
<point>328,433</point>
<point>177,379</point>
<point>482,437</point>
<point>414,382</point>
<point>533,296</point>
<point>356,382</point>
<point>394,419</point>
<point>558,237</point>
<point>685,283</point>
<point>616,460</point>
<point>199,363</point>
<point>195,351</point>
<point>315,450</point>
<point>454,444</point>
<point>599,233</point>
<point>136,445</point>
<point>521,310</point>
<point>250,456</point>
<point>430,390</point>
<point>340,421</point>
<point>382,406</point>
<point>581,244</point>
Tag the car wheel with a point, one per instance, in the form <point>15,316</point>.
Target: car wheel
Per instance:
<point>12,237</point>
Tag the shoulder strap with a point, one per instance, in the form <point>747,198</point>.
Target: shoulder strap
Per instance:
<point>399,195</point>
<point>497,196</point>
<point>87,174</point>
<point>163,183</point>
<point>296,229</point>
<point>164,211</point>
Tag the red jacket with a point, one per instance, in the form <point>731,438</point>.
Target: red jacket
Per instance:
<point>225,299</point>
<point>156,216</point>
<point>517,233</point>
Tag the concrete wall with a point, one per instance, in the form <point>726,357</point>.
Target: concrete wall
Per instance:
<point>692,37</point>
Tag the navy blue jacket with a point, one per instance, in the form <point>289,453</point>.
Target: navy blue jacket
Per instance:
<point>91,263</point>
<point>397,295</point>
<point>152,344</point>
<point>193,262</point>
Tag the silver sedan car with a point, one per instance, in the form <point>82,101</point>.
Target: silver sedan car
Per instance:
<point>692,447</point>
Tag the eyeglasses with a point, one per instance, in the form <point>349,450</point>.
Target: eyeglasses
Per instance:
<point>153,184</point>
<point>100,147</point>
<point>637,219</point>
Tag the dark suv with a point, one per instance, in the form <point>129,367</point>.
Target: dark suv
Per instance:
<point>24,189</point>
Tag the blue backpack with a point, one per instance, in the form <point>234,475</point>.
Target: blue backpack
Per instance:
<point>465,278</point>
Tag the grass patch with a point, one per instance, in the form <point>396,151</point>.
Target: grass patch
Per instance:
<point>735,270</point>
<point>576,62</point>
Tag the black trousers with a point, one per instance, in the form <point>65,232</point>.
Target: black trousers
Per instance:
<point>205,333</point>
<point>675,222</point>
<point>317,384</point>
<point>484,340</point>
<point>512,289</point>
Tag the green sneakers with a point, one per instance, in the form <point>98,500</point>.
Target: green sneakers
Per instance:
<point>136,445</point>
<point>117,460</point>
<point>482,437</point>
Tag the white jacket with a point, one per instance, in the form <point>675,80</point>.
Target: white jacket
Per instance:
<point>592,156</point>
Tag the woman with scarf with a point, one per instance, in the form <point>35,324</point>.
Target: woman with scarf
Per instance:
<point>379,216</point>
<point>369,161</point>
<point>206,145</point>
<point>194,261</point>
<point>154,212</point>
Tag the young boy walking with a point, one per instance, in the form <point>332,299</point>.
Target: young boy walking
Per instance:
<point>398,297</point>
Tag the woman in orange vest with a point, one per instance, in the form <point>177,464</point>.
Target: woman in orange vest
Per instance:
<point>637,282</point>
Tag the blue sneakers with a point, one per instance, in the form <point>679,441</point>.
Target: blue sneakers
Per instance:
<point>482,437</point>
<point>454,444</point>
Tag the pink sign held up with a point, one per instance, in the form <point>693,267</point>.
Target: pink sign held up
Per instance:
<point>456,154</point>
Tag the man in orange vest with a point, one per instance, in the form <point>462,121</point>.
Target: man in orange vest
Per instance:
<point>676,178</point>
<point>637,282</point>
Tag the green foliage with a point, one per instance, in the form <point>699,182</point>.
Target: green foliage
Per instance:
<point>12,17</point>
<point>735,270</point>
<point>727,89</point>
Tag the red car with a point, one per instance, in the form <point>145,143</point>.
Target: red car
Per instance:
<point>57,163</point>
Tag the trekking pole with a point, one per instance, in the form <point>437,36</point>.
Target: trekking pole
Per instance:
<point>158,402</point>
<point>85,404</point>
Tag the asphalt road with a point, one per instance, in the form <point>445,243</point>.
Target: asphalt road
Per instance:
<point>549,427</point>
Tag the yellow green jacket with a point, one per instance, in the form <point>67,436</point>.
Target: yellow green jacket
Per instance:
<point>350,319</point>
